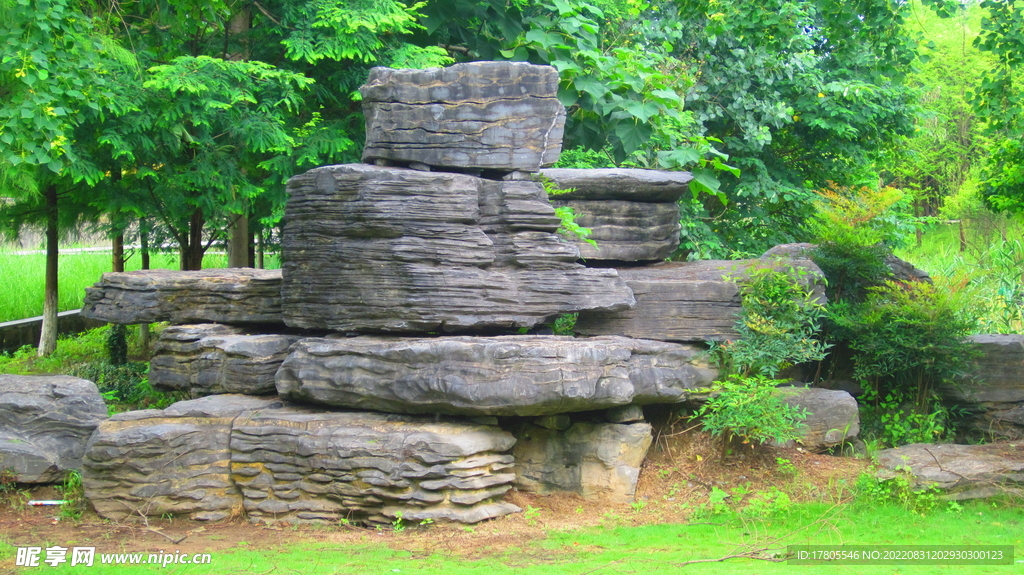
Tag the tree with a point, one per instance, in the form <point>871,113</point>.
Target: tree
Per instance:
<point>54,68</point>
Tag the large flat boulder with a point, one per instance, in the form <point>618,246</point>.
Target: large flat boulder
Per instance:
<point>45,422</point>
<point>623,184</point>
<point>597,460</point>
<point>371,249</point>
<point>963,471</point>
<point>232,455</point>
<point>322,467</point>
<point>686,301</point>
<point>504,375</point>
<point>206,359</point>
<point>231,296</point>
<point>488,115</point>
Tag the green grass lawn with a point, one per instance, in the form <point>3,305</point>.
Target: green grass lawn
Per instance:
<point>22,277</point>
<point>612,547</point>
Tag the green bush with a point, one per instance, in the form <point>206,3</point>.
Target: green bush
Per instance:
<point>777,325</point>
<point>752,410</point>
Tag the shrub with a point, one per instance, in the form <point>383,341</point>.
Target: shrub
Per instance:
<point>751,409</point>
<point>776,327</point>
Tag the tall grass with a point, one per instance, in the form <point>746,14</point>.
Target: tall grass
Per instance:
<point>989,272</point>
<point>23,276</point>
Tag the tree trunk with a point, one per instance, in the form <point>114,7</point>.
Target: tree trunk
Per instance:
<point>238,243</point>
<point>117,256</point>
<point>144,241</point>
<point>192,251</point>
<point>259,250</point>
<point>48,335</point>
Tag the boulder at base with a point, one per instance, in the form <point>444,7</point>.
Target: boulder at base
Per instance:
<point>206,359</point>
<point>832,415</point>
<point>597,460</point>
<point>232,455</point>
<point>232,296</point>
<point>502,375</point>
<point>963,471</point>
<point>45,422</point>
<point>486,115</point>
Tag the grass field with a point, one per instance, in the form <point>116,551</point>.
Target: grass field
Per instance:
<point>611,546</point>
<point>22,277</point>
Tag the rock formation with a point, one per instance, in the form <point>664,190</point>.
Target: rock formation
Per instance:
<point>45,422</point>
<point>429,251</point>
<point>232,296</point>
<point>210,358</point>
<point>504,375</point>
<point>491,115</point>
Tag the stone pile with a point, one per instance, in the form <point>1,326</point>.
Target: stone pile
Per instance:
<point>408,286</point>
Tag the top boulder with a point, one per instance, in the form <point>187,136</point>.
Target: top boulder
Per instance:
<point>501,116</point>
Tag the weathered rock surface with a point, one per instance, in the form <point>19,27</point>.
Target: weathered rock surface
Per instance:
<point>45,422</point>
<point>227,455</point>
<point>632,214</point>
<point>597,460</point>
<point>232,296</point>
<point>685,301</point>
<point>994,389</point>
<point>306,467</point>
<point>625,231</point>
<point>832,415</point>
<point>173,461</point>
<point>206,359</point>
<point>489,115</point>
<point>631,185</point>
<point>385,249</point>
<point>504,375</point>
<point>965,471</point>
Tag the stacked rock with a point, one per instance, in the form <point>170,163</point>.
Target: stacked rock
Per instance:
<point>407,286</point>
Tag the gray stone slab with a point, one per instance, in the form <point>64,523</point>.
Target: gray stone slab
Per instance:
<point>504,375</point>
<point>487,115</point>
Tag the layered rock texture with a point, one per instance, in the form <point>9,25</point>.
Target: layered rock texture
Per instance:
<point>596,460</point>
<point>297,467</point>
<point>489,115</point>
<point>45,422</point>
<point>429,251</point>
<point>964,471</point>
<point>232,296</point>
<point>994,391</point>
<point>686,301</point>
<point>632,214</point>
<point>223,455</point>
<point>504,375</point>
<point>210,358</point>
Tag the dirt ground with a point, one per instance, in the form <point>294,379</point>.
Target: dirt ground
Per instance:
<point>681,470</point>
